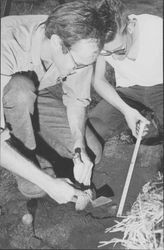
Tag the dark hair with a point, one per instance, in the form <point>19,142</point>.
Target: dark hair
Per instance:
<point>74,21</point>
<point>114,16</point>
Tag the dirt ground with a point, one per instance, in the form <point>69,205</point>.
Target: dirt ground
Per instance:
<point>60,226</point>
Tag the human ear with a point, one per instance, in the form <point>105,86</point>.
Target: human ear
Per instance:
<point>130,27</point>
<point>56,42</point>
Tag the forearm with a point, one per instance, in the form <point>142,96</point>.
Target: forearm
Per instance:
<point>108,93</point>
<point>77,119</point>
<point>16,163</point>
<point>82,164</point>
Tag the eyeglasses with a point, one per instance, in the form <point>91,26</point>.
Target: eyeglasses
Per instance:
<point>119,52</point>
<point>77,65</point>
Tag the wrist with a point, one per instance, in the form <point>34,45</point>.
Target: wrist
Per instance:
<point>45,182</point>
<point>79,144</point>
<point>126,110</point>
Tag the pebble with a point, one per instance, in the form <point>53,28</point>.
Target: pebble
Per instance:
<point>27,219</point>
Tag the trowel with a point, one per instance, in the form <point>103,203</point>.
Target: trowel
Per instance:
<point>101,197</point>
<point>97,197</point>
<point>102,200</point>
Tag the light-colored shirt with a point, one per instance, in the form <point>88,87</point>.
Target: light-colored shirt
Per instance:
<point>20,52</point>
<point>147,68</point>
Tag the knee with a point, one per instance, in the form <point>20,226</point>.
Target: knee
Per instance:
<point>26,99</point>
<point>19,92</point>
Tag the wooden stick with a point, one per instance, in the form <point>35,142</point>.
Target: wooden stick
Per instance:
<point>130,171</point>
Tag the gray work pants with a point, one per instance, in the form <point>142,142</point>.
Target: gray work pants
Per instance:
<point>107,120</point>
<point>28,111</point>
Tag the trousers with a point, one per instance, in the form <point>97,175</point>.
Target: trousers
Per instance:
<point>28,111</point>
<point>107,120</point>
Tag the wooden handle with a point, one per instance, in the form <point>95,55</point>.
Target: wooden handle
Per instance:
<point>130,171</point>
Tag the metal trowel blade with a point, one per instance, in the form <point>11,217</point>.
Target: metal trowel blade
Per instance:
<point>105,191</point>
<point>102,200</point>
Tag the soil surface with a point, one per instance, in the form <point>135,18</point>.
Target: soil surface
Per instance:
<point>61,226</point>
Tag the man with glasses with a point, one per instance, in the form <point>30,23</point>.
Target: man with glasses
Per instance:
<point>38,54</point>
<point>133,47</point>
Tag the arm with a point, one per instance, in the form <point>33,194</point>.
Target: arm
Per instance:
<point>58,189</point>
<point>107,92</point>
<point>77,117</point>
<point>76,97</point>
<point>83,165</point>
<point>4,80</point>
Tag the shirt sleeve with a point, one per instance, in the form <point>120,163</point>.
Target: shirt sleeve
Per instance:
<point>4,80</point>
<point>7,65</point>
<point>77,87</point>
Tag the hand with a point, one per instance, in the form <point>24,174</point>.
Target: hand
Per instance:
<point>82,168</point>
<point>133,118</point>
<point>4,135</point>
<point>62,190</point>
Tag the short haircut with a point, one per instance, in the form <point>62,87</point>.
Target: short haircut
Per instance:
<point>115,17</point>
<point>74,21</point>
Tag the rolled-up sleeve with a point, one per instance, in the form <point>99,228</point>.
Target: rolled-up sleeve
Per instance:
<point>77,87</point>
<point>4,81</point>
<point>7,62</point>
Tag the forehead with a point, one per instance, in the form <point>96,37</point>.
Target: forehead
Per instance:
<point>86,45</point>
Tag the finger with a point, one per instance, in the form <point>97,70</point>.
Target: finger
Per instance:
<point>137,129</point>
<point>138,125</point>
<point>77,177</point>
<point>78,172</point>
<point>141,128</point>
<point>74,199</point>
<point>76,159</point>
<point>87,172</point>
<point>87,180</point>
<point>143,119</point>
<point>83,177</point>
<point>134,131</point>
<point>144,133</point>
<point>80,179</point>
<point>77,193</point>
<point>78,165</point>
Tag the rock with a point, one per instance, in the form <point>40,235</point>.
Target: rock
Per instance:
<point>27,219</point>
